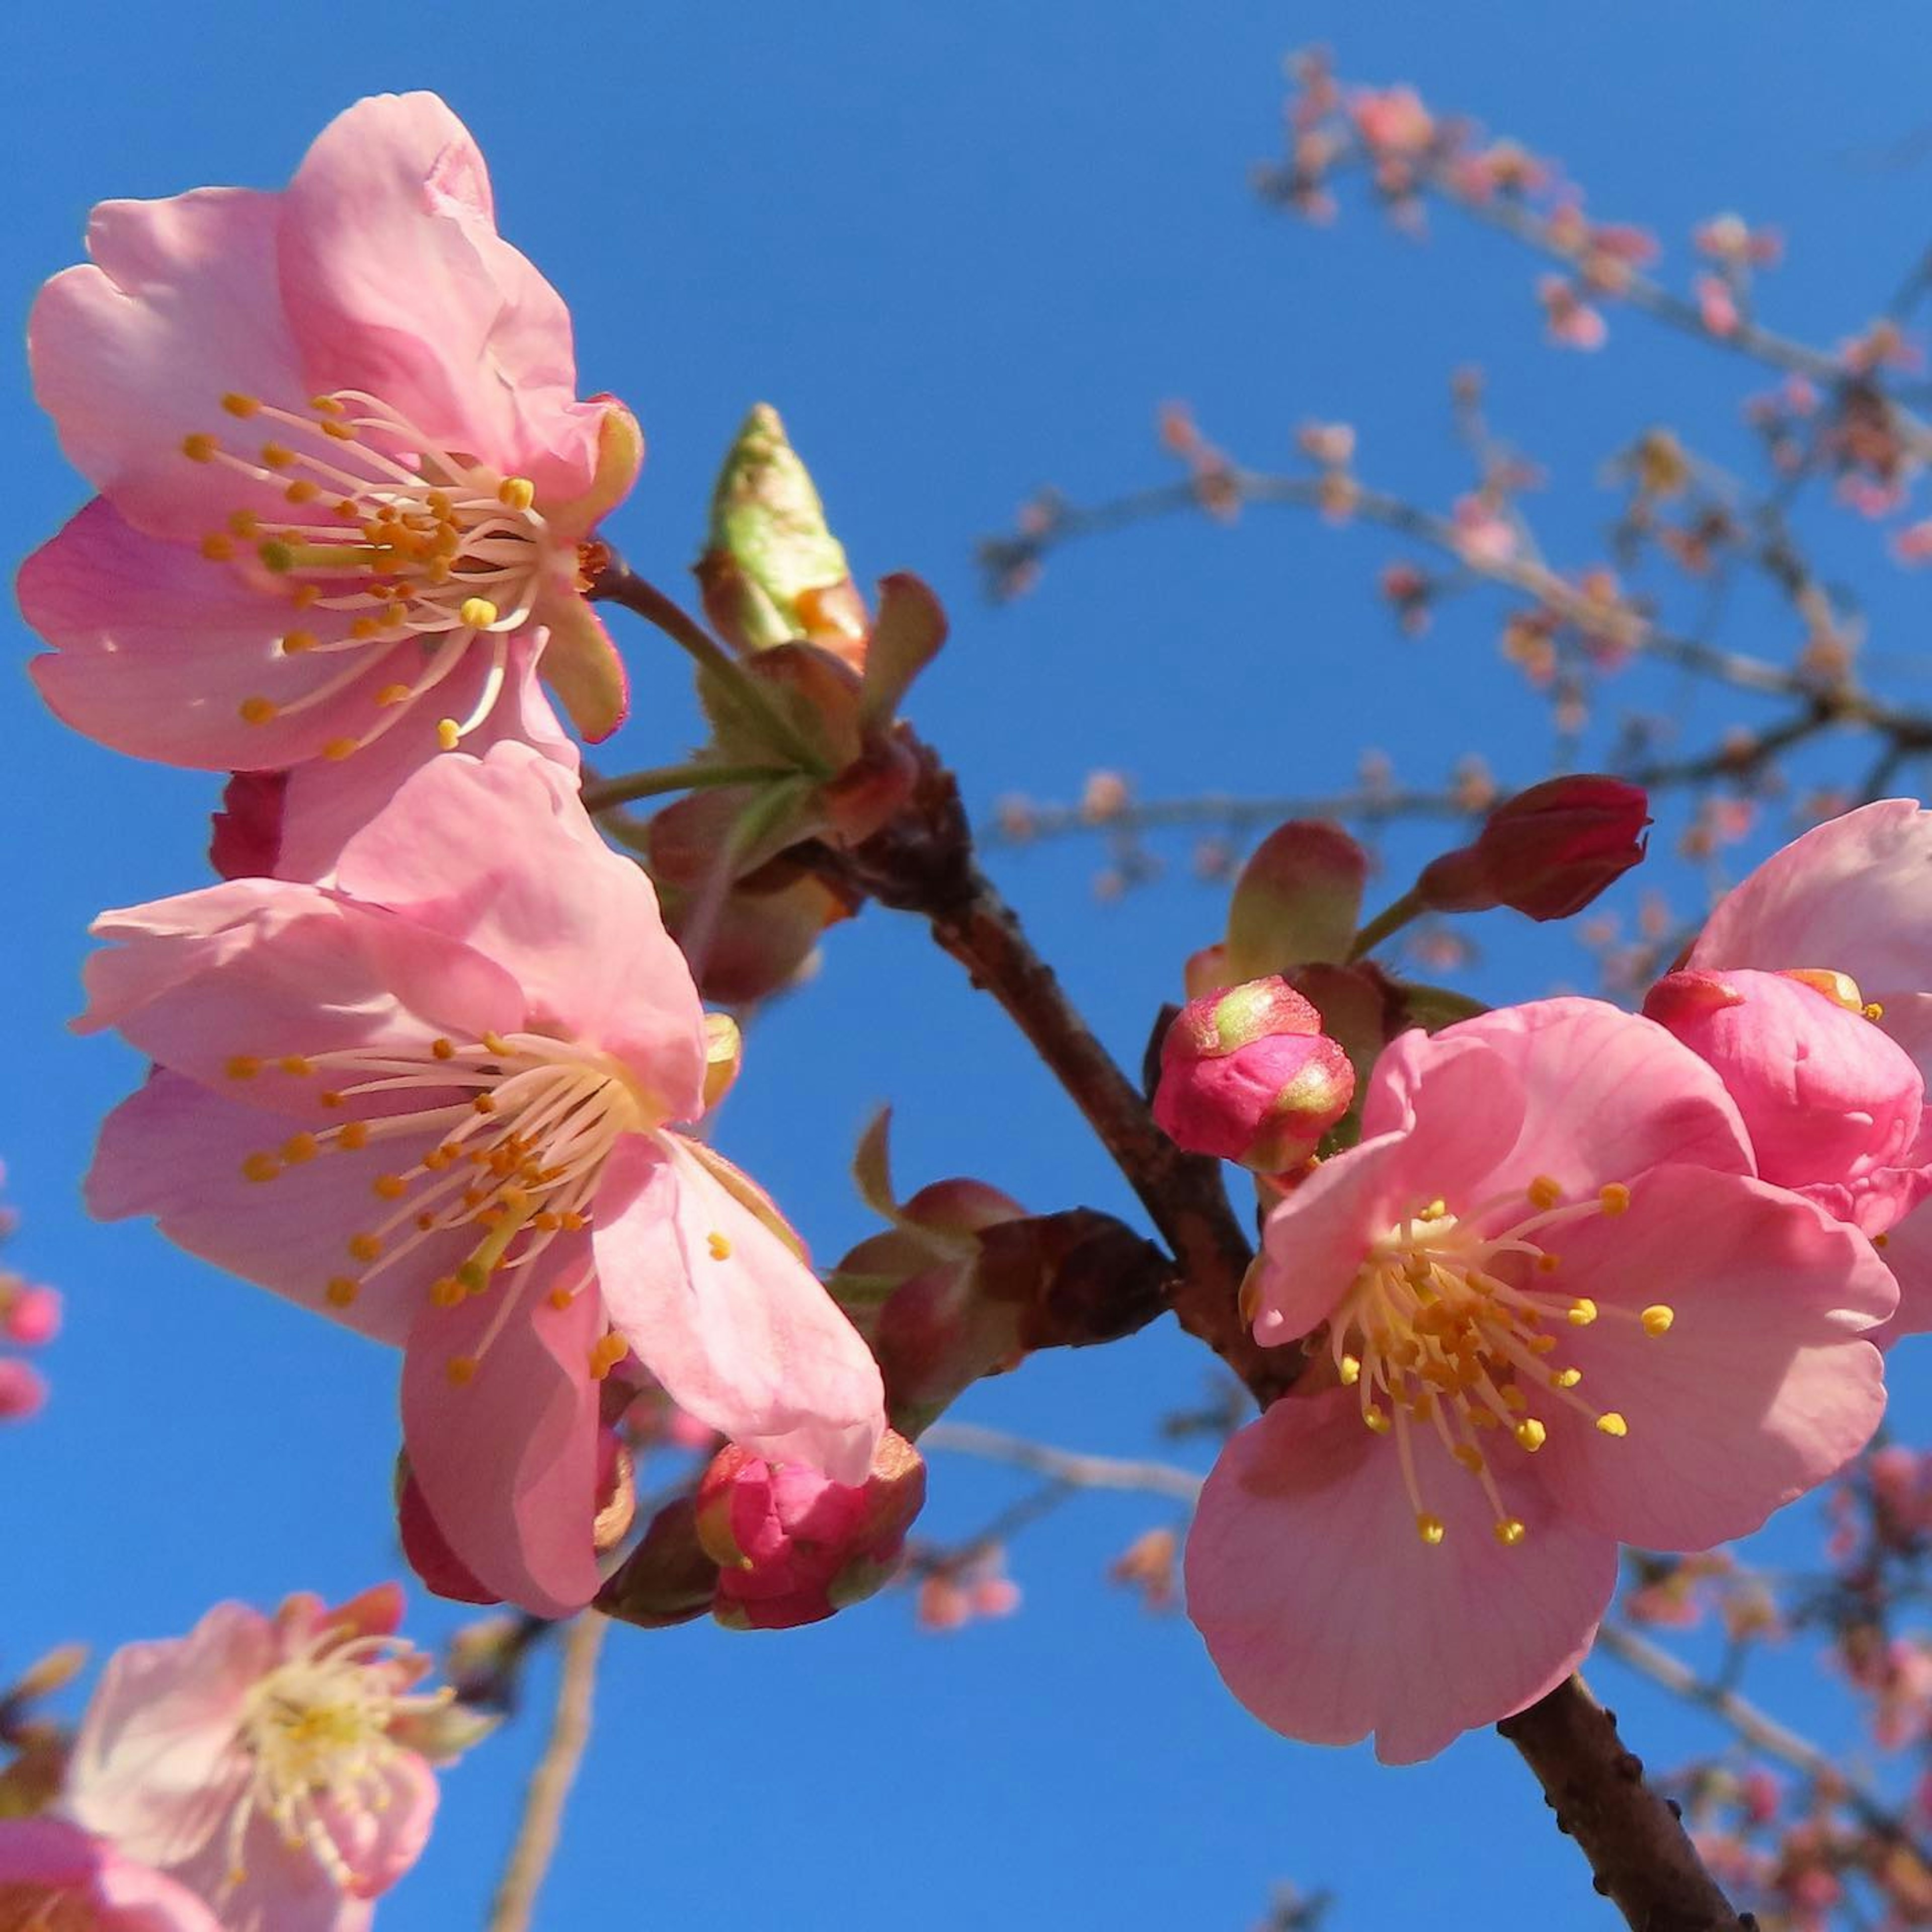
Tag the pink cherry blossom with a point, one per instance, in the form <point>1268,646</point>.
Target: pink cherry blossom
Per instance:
<point>343,476</point>
<point>55,1877</point>
<point>273,1766</point>
<point>1853,896</point>
<point>1551,1309</point>
<point>434,1102</point>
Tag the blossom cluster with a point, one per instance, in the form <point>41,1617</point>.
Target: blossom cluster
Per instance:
<point>30,1317</point>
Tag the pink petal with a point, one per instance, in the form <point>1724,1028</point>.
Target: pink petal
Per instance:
<point>43,1854</point>
<point>1764,1385</point>
<point>157,1764</point>
<point>175,1150</point>
<point>157,649</point>
<point>282,1889</point>
<point>258,968</point>
<point>329,800</point>
<point>1853,894</point>
<point>507,1461</point>
<point>739,1331</point>
<point>397,283</point>
<point>499,852</point>
<point>1329,1617</point>
<point>133,352</point>
<point>1908,1254</point>
<point>379,1841</point>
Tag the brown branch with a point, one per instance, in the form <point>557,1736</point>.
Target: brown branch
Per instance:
<point>549,1788</point>
<point>1642,1857</point>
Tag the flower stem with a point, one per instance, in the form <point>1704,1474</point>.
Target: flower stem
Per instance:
<point>603,794</point>
<point>1392,918</point>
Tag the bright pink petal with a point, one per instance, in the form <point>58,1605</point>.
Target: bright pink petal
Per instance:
<point>739,1331</point>
<point>157,1764</point>
<point>157,649</point>
<point>1329,1617</point>
<point>397,283</point>
<point>499,852</point>
<point>261,969</point>
<point>1853,894</point>
<point>133,352</point>
<point>54,1865</point>
<point>329,801</point>
<point>507,1459</point>
<point>1765,1384</point>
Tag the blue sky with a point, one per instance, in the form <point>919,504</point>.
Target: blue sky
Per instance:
<point>966,251</point>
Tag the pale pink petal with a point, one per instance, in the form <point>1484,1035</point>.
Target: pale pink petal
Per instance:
<point>329,801</point>
<point>1329,1617</point>
<point>134,352</point>
<point>507,1460</point>
<point>1764,1384</point>
<point>282,1887</point>
<point>379,1840</point>
<point>1853,894</point>
<point>397,283</point>
<point>158,1763</point>
<point>738,1330</point>
<point>174,1150</point>
<point>157,649</point>
<point>257,968</point>
<point>499,852</point>
<point>53,1863</point>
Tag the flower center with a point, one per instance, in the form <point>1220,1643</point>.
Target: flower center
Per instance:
<point>513,1133</point>
<point>316,1729</point>
<point>1440,1332</point>
<point>386,545</point>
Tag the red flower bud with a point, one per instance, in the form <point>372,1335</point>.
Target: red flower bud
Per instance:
<point>1247,1074</point>
<point>1547,852</point>
<point>246,834</point>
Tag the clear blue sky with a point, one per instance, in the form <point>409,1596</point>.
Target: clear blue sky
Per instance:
<point>965,251</point>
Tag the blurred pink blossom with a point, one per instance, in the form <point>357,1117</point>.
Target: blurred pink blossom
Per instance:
<point>55,1878</point>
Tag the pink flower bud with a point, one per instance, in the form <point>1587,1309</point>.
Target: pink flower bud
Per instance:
<point>792,1545</point>
<point>1547,852</point>
<point>23,1392</point>
<point>1833,1106</point>
<point>1247,1074</point>
<point>30,1315</point>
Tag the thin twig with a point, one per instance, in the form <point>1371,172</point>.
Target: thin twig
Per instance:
<point>549,1789</point>
<point>1074,1467</point>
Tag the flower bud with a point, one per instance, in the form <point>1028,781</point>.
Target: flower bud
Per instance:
<point>245,835</point>
<point>30,1315</point>
<point>23,1390</point>
<point>1547,852</point>
<point>1833,1106</point>
<point>792,1546</point>
<point>772,571</point>
<point>668,1579</point>
<point>1247,1074</point>
<point>1299,898</point>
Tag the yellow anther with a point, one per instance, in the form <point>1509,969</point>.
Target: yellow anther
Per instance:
<point>719,1245</point>
<point>483,1104</point>
<point>393,694</point>
<point>245,523</point>
<point>1582,1311</point>
<point>1351,1368</point>
<point>1481,1418</point>
<point>366,1247</point>
<point>327,406</point>
<point>328,1097</point>
<point>237,404</point>
<point>438,503</point>
<point>1470,1456</point>
<point>256,710</point>
<point>276,555</point>
<point>342,432</point>
<point>1881,1240</point>
<point>1656,1318</point>
<point>1543,1192</point>
<point>1541,1345</point>
<point>353,1134</point>
<point>516,493</point>
<point>1510,1532</point>
<point>217,547</point>
<point>448,734</point>
<point>478,613</point>
<point>1611,1423</point>
<point>301,490</point>
<point>445,1292</point>
<point>560,1298</point>
<point>574,1222</point>
<point>342,1290</point>
<point>461,1369</point>
<point>1513,1398</point>
<point>200,448</point>
<point>1548,1264</point>
<point>495,1043</point>
<point>1615,1199</point>
<point>261,1167</point>
<point>299,1147</point>
<point>1873,1009</point>
<point>390,1186</point>
<point>337,749</point>
<point>396,615</point>
<point>277,455</point>
<point>1530,1434</point>
<point>1430,1529</point>
<point>296,642</point>
<point>361,629</point>
<point>296,1066</point>
<point>443,1049</point>
<point>1565,1377</point>
<point>242,1066</point>
<point>1377,1419</point>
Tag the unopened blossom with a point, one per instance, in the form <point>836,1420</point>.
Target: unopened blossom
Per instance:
<point>55,1877</point>
<point>1850,899</point>
<point>345,481</point>
<point>30,1317</point>
<point>274,1765</point>
<point>436,1103</point>
<point>1548,1309</point>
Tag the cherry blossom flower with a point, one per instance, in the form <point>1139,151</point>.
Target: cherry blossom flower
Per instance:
<point>30,1317</point>
<point>54,1876</point>
<point>434,1104</point>
<point>1851,899</point>
<point>1550,1308</point>
<point>275,1766</point>
<point>344,479</point>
